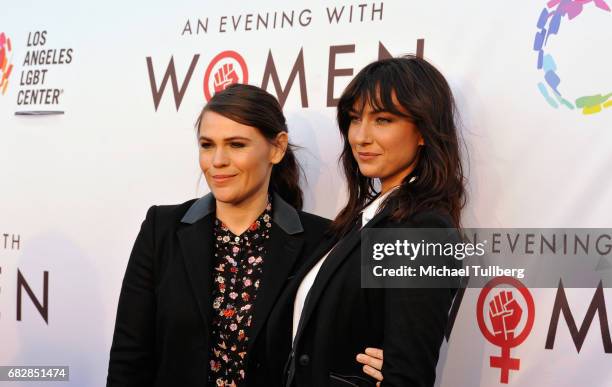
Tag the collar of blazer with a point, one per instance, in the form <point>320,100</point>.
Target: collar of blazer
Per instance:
<point>287,237</point>
<point>285,216</point>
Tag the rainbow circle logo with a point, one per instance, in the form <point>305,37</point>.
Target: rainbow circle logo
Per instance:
<point>6,57</point>
<point>548,24</point>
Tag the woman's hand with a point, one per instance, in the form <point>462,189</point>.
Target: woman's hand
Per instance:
<point>372,361</point>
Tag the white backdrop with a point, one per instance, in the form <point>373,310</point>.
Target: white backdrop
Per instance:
<point>75,186</point>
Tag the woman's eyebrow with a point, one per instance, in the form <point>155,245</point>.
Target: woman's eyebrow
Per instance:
<point>228,139</point>
<point>376,111</point>
<point>234,138</point>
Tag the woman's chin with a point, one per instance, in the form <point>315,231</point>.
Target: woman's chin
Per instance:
<point>368,171</point>
<point>225,194</point>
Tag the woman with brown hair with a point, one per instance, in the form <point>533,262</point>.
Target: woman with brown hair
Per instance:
<point>396,118</point>
<point>203,275</point>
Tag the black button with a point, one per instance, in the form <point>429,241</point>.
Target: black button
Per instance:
<point>304,360</point>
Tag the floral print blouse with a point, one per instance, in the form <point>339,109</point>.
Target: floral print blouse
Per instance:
<point>237,273</point>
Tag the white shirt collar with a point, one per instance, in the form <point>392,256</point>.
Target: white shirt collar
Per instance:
<point>372,209</point>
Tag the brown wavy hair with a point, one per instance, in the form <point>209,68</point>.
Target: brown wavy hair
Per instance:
<point>252,106</point>
<point>425,95</point>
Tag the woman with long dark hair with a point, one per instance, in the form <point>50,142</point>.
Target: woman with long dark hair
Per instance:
<point>203,275</point>
<point>396,118</point>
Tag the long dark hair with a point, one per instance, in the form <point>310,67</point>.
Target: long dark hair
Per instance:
<point>253,106</point>
<point>422,91</point>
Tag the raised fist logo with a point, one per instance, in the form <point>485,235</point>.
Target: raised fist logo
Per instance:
<point>505,314</point>
<point>226,68</point>
<point>225,76</point>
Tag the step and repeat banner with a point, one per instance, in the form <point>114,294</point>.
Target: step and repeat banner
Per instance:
<point>98,102</point>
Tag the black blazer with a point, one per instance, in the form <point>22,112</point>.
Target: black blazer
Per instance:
<point>161,330</point>
<point>340,319</point>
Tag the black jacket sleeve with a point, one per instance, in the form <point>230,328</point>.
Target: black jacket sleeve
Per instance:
<point>132,352</point>
<point>415,321</point>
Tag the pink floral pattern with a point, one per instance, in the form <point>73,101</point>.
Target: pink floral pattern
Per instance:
<point>237,274</point>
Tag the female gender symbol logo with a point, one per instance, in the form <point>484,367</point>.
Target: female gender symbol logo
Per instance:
<point>505,314</point>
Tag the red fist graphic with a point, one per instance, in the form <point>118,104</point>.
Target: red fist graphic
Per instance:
<point>505,314</point>
<point>225,76</point>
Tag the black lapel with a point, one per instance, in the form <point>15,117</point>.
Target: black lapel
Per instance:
<point>283,251</point>
<point>339,254</point>
<point>197,245</point>
<point>288,294</point>
<point>312,259</point>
